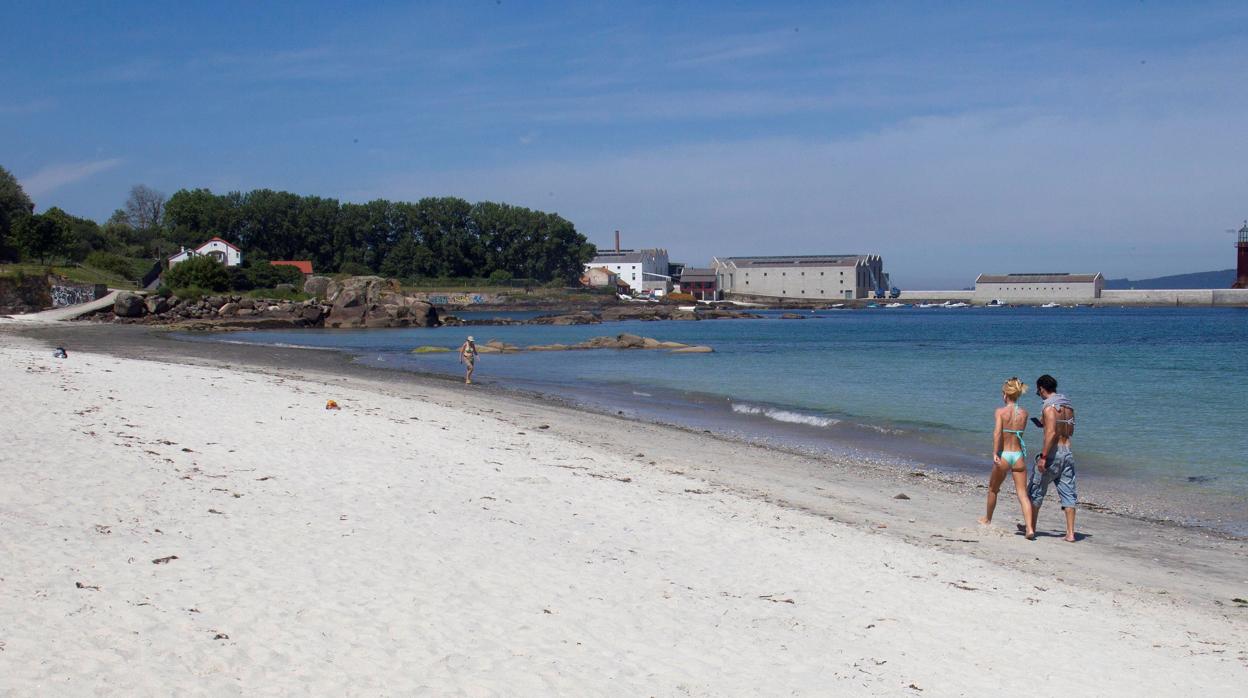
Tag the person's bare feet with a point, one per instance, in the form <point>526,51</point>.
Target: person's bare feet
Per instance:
<point>1070,539</point>
<point>984,520</point>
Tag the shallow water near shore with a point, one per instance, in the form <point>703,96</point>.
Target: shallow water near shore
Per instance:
<point>1160,392</point>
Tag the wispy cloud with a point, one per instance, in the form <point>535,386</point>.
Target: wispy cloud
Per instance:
<point>53,177</point>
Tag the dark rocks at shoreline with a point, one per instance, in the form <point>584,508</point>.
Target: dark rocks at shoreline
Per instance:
<point>620,341</point>
<point>214,312</point>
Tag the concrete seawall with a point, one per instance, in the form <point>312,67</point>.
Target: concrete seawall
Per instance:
<point>1218,297</point>
<point>1178,297</point>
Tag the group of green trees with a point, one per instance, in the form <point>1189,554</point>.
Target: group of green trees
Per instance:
<point>126,244</point>
<point>435,237</point>
<point>442,237</point>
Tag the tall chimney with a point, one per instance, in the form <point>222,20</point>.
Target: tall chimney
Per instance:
<point>617,241</point>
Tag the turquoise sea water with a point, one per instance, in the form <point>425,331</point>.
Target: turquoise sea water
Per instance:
<point>1162,394</point>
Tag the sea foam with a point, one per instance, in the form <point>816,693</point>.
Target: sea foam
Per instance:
<point>784,415</point>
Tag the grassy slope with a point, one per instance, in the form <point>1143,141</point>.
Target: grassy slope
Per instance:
<point>80,274</point>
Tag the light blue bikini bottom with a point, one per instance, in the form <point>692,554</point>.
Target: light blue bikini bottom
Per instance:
<point>1012,457</point>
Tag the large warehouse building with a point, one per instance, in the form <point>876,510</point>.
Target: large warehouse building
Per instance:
<point>1038,288</point>
<point>807,277</point>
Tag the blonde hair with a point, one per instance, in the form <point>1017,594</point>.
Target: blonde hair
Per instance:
<point>1014,388</point>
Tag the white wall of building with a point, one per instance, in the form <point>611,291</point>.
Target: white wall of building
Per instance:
<point>223,251</point>
<point>648,273</point>
<point>831,281</point>
<point>1023,290</point>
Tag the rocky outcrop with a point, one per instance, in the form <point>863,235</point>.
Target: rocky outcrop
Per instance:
<point>129,304</point>
<point>620,341</point>
<point>374,302</point>
<point>583,317</point>
<point>317,286</point>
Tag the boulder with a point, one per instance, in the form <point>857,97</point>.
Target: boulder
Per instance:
<point>358,290</point>
<point>229,309</point>
<point>129,305</point>
<point>311,314</point>
<point>157,305</point>
<point>247,303</point>
<point>423,314</point>
<point>693,350</point>
<point>215,302</point>
<point>284,288</point>
<point>316,286</point>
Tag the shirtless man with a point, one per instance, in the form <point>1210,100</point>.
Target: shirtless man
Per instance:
<point>1055,463</point>
<point>468,356</point>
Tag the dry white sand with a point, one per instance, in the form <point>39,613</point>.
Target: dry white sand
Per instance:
<point>418,542</point>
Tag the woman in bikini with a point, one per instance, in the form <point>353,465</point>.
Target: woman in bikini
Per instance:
<point>1010,453</point>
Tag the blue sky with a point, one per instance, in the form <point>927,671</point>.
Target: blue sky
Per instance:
<point>951,139</point>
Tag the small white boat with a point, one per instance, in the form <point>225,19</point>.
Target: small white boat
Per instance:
<point>686,307</point>
<point>895,305</point>
<point>958,305</point>
<point>928,305</point>
<point>1051,305</point>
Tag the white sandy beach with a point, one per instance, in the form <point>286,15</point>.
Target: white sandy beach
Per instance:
<point>440,541</point>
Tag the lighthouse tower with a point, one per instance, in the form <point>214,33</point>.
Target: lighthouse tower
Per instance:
<point>1241,268</point>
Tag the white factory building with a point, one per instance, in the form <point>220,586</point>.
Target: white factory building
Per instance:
<point>642,270</point>
<point>805,277</point>
<point>1038,288</point>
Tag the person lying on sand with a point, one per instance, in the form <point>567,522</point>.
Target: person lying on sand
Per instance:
<point>1010,453</point>
<point>468,356</point>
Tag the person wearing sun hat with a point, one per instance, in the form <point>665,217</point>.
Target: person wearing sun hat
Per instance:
<point>468,356</point>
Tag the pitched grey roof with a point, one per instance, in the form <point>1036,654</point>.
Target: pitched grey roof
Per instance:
<point>1036,278</point>
<point>700,275</point>
<point>842,260</point>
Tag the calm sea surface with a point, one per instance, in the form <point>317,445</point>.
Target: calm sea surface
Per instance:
<point>1161,394</point>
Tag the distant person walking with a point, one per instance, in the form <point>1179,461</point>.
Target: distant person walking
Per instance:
<point>468,356</point>
<point>1055,463</point>
<point>1009,454</point>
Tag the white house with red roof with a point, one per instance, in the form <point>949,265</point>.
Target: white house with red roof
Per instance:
<point>219,249</point>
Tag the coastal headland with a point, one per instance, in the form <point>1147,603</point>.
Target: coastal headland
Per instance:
<point>188,517</point>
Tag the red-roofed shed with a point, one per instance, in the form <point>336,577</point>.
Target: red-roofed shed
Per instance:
<point>303,265</point>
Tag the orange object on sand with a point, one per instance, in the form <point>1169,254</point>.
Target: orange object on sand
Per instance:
<point>331,405</point>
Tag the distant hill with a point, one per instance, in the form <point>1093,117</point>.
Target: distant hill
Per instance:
<point>1200,279</point>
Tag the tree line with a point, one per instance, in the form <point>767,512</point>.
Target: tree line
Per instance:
<point>443,237</point>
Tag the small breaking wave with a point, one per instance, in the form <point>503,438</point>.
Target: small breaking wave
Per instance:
<point>784,415</point>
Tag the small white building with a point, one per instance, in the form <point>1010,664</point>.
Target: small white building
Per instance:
<point>642,270</point>
<point>218,249</point>
<point>1038,288</point>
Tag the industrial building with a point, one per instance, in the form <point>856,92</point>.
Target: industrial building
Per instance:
<point>805,277</point>
<point>1038,288</point>
<point>643,270</point>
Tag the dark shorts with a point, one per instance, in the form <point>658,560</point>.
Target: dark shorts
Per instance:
<point>1059,470</point>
